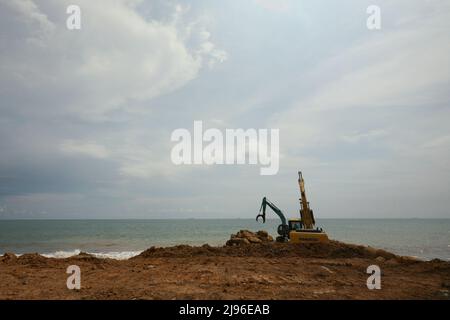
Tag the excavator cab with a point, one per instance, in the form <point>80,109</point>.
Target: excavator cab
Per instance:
<point>297,233</point>
<point>295,224</point>
<point>305,235</point>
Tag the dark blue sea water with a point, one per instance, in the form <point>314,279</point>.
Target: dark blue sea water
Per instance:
<point>120,239</point>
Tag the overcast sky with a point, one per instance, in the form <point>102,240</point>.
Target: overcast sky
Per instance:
<point>86,116</point>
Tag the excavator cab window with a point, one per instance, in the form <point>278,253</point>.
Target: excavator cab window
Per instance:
<point>295,225</point>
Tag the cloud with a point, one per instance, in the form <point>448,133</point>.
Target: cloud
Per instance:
<point>361,136</point>
<point>403,68</point>
<point>399,68</point>
<point>118,56</point>
<point>86,116</point>
<point>197,37</point>
<point>28,13</point>
<point>76,105</point>
<point>90,149</point>
<point>275,5</point>
<point>438,142</point>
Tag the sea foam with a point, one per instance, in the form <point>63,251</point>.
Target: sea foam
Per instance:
<point>122,255</point>
<point>116,255</point>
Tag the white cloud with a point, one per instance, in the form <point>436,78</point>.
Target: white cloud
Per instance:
<point>403,68</point>
<point>275,5</point>
<point>438,142</point>
<point>361,136</point>
<point>363,114</point>
<point>395,68</point>
<point>37,22</point>
<point>117,56</point>
<point>90,149</point>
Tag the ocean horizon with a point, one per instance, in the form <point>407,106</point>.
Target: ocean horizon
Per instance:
<point>124,238</point>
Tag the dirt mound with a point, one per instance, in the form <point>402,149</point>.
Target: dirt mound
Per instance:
<point>8,257</point>
<point>32,259</point>
<point>242,244</point>
<point>245,237</point>
<point>332,249</point>
<point>83,256</point>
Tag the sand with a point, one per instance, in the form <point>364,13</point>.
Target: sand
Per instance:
<point>255,271</point>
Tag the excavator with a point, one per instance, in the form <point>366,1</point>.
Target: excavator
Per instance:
<point>295,230</point>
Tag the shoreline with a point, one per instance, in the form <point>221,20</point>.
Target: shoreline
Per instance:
<point>126,255</point>
<point>129,254</point>
<point>110,237</point>
<point>257,271</point>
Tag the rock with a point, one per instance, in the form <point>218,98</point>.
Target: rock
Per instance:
<point>254,239</point>
<point>244,237</point>
<point>327,269</point>
<point>245,234</point>
<point>380,259</point>
<point>234,241</point>
<point>262,234</point>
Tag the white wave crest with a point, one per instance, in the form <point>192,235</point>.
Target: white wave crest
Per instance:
<point>116,255</point>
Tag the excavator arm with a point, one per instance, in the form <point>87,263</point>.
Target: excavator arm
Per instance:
<point>283,228</point>
<point>306,213</point>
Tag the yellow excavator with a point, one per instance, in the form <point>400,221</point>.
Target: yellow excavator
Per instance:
<point>296,230</point>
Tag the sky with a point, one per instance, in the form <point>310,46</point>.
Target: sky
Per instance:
<point>86,115</point>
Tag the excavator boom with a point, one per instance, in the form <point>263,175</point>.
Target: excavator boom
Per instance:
<point>306,213</point>
<point>283,228</point>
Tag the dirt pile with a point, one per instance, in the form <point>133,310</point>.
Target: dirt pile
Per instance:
<point>245,237</point>
<point>33,259</point>
<point>272,249</point>
<point>242,244</point>
<point>257,270</point>
<point>8,257</point>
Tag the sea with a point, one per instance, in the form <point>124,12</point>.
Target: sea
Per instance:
<point>121,239</point>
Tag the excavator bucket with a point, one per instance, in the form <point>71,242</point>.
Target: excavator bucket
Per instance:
<point>263,209</point>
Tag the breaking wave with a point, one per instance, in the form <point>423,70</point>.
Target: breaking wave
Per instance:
<point>117,255</point>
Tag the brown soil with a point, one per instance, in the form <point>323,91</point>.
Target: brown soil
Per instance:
<point>254,271</point>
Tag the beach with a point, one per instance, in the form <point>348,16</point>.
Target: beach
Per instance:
<point>257,271</point>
